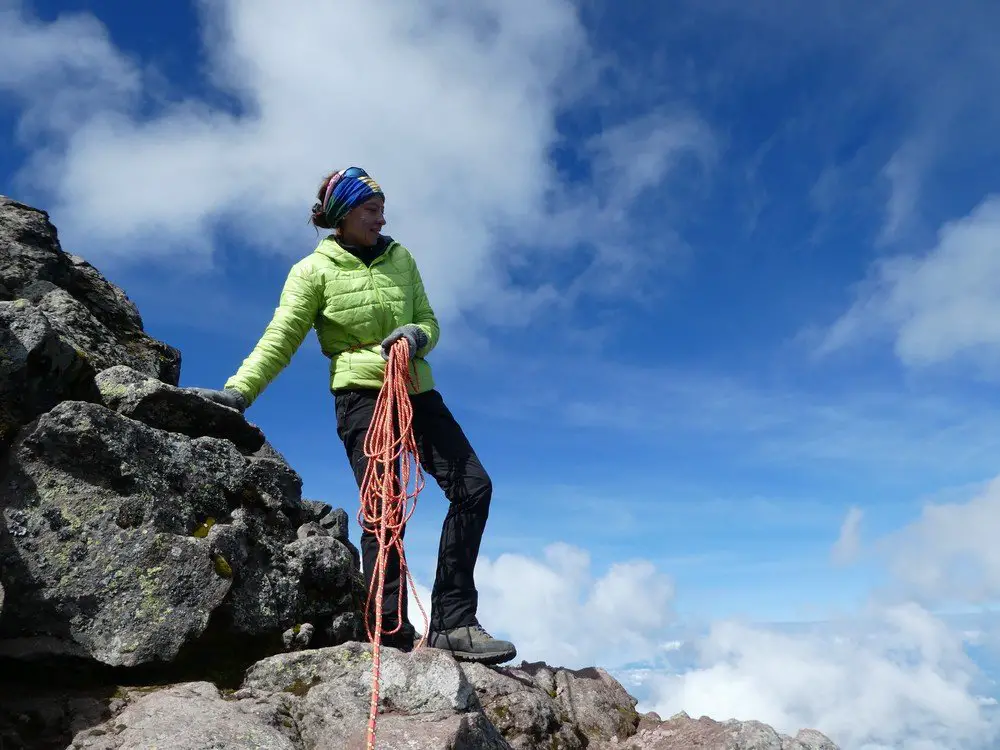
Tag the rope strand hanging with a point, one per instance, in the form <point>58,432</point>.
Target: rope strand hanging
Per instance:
<point>388,502</point>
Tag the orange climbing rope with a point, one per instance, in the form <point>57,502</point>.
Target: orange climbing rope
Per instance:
<point>387,501</point>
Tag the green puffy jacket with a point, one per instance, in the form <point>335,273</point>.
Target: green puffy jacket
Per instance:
<point>353,307</point>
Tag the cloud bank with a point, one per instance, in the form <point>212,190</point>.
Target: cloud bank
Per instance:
<point>896,676</point>
<point>452,106</point>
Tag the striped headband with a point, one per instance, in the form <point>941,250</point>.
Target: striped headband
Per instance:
<point>345,190</point>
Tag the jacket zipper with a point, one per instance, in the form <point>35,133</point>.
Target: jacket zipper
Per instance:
<point>378,293</point>
<point>371,282</point>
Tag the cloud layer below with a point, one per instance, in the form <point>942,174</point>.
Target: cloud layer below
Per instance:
<point>896,676</point>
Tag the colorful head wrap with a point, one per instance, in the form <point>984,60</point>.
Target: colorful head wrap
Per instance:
<point>345,190</point>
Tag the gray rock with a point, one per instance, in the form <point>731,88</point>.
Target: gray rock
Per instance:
<point>30,247</point>
<point>681,732</point>
<point>275,486</point>
<point>426,699</point>
<point>190,716</point>
<point>153,402</point>
<point>524,713</point>
<point>268,451</point>
<point>124,540</point>
<point>332,521</point>
<point>809,739</point>
<point>38,369</point>
<point>194,716</point>
<point>282,581</point>
<point>97,550</point>
<point>107,302</point>
<point>309,529</point>
<point>349,626</point>
<point>466,731</point>
<point>596,703</point>
<point>32,262</point>
<point>536,706</point>
<point>298,637</point>
<point>79,327</point>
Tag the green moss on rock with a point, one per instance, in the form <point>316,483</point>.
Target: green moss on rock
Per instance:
<point>301,688</point>
<point>222,566</point>
<point>203,528</point>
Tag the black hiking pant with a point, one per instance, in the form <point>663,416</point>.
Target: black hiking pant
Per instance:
<point>447,456</point>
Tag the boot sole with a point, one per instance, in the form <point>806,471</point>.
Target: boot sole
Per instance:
<point>495,658</point>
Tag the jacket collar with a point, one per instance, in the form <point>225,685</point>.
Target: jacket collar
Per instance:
<point>344,259</point>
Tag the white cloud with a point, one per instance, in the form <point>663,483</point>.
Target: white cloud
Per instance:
<point>951,553</point>
<point>556,609</point>
<point>848,545</point>
<point>939,305</point>
<point>901,683</point>
<point>450,105</point>
<point>633,157</point>
<point>62,72</point>
<point>904,173</point>
<point>898,678</point>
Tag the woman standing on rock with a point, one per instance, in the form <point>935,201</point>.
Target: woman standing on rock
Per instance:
<point>362,292</point>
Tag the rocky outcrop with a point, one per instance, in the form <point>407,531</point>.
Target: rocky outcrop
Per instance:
<point>318,699</point>
<point>61,322</point>
<point>124,540</point>
<point>164,584</point>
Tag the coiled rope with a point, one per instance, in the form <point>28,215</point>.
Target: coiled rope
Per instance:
<point>388,502</point>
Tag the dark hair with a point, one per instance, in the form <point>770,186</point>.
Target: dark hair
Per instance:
<point>318,217</point>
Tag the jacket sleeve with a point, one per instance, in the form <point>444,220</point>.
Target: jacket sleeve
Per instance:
<point>298,305</point>
<point>423,313</point>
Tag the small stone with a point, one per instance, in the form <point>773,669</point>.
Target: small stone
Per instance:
<point>298,637</point>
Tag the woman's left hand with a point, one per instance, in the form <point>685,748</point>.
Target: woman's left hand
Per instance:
<point>414,336</point>
<point>226,397</point>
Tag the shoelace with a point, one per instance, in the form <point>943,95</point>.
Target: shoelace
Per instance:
<point>480,630</point>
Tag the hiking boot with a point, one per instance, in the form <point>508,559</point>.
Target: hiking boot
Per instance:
<point>472,643</point>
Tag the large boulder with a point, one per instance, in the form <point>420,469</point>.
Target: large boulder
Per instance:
<point>91,324</point>
<point>538,706</point>
<point>427,702</point>
<point>166,407</point>
<point>122,541</point>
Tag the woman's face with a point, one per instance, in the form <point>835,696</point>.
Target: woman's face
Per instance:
<point>364,222</point>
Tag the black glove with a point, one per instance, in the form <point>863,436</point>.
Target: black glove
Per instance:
<point>413,334</point>
<point>227,397</point>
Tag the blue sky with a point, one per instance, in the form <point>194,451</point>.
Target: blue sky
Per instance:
<point>718,286</point>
